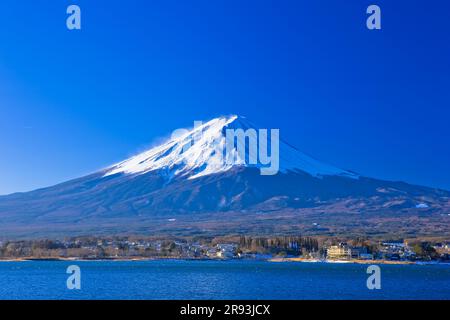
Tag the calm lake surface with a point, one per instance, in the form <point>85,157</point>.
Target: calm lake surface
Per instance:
<point>177,279</point>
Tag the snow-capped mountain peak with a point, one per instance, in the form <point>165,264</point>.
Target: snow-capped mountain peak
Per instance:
<point>203,150</point>
<point>190,153</point>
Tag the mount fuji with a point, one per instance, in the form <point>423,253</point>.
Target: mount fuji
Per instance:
<point>184,188</point>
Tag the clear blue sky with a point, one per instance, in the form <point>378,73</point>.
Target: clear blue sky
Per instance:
<point>72,102</point>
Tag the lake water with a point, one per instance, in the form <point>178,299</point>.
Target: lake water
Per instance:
<point>177,279</point>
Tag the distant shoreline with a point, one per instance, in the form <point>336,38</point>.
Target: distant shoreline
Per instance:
<point>273,260</point>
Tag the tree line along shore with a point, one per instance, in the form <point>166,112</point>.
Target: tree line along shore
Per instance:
<point>277,248</point>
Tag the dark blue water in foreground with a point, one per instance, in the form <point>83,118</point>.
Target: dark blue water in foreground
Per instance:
<point>220,280</point>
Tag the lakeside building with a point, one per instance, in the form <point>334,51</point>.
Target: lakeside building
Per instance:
<point>358,252</point>
<point>395,246</point>
<point>226,251</point>
<point>442,248</point>
<point>222,251</point>
<point>396,251</point>
<point>341,251</point>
